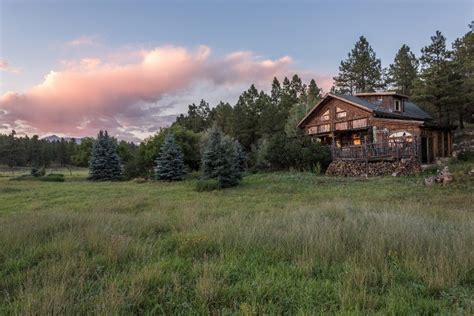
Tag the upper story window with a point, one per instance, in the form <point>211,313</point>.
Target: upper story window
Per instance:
<point>398,106</point>
<point>325,116</point>
<point>340,113</point>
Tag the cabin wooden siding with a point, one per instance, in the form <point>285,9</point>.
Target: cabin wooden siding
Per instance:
<point>353,113</point>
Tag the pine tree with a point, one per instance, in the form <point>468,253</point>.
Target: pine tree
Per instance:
<point>276,91</point>
<point>219,159</point>
<point>403,72</point>
<point>361,71</point>
<point>105,162</point>
<point>463,59</point>
<point>313,93</point>
<point>434,89</point>
<point>170,163</point>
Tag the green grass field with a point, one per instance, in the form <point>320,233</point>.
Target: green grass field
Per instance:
<point>290,243</point>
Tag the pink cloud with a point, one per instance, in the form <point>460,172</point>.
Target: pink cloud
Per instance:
<point>85,40</point>
<point>5,66</point>
<point>90,94</point>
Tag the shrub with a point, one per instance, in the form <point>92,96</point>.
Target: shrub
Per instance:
<point>204,185</point>
<point>170,163</point>
<point>37,172</point>
<point>300,153</point>
<point>105,162</point>
<point>466,155</point>
<point>54,177</point>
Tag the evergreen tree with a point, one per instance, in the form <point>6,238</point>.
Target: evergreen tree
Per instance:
<point>463,59</point>
<point>313,93</point>
<point>222,115</point>
<point>435,88</point>
<point>105,162</point>
<point>219,159</point>
<point>361,71</point>
<point>198,118</point>
<point>403,72</point>
<point>241,158</point>
<point>170,163</point>
<point>275,94</point>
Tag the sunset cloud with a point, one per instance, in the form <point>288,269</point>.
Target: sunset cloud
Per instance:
<point>85,40</point>
<point>6,67</point>
<point>134,97</point>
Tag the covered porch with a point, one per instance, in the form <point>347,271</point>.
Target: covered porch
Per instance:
<point>369,144</point>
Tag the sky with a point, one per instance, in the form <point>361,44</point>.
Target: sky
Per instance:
<point>74,67</point>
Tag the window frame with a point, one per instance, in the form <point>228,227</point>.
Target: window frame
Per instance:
<point>400,106</point>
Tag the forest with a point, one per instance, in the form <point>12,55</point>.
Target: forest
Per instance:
<point>264,122</point>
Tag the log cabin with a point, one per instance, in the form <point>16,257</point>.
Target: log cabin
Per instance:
<point>377,126</point>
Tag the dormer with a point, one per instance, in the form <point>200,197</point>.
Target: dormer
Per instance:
<point>388,101</point>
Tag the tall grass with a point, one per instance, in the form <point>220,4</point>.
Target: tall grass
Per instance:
<point>280,243</point>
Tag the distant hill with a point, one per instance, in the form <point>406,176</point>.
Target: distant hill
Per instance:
<point>55,138</point>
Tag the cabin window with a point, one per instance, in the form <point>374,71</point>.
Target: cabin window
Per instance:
<point>356,139</point>
<point>323,128</point>
<point>341,114</point>
<point>325,116</point>
<point>359,123</point>
<point>313,130</point>
<point>398,105</point>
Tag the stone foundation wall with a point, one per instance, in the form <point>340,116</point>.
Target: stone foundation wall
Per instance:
<point>348,168</point>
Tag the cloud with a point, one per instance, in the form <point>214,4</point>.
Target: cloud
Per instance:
<point>135,97</point>
<point>84,40</point>
<point>6,67</point>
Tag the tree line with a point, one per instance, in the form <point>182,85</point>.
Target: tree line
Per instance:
<point>264,123</point>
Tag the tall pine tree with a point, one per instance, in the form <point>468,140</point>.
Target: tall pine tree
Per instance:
<point>463,60</point>
<point>170,163</point>
<point>403,72</point>
<point>434,89</point>
<point>105,162</point>
<point>361,71</point>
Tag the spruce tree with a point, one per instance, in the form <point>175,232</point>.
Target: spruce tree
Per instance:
<point>403,72</point>
<point>170,163</point>
<point>361,71</point>
<point>219,159</point>
<point>105,162</point>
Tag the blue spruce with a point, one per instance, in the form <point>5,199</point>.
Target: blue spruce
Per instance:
<point>170,161</point>
<point>219,159</point>
<point>104,163</point>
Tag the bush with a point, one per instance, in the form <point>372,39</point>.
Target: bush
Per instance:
<point>37,172</point>
<point>300,153</point>
<point>132,169</point>
<point>24,177</point>
<point>53,177</point>
<point>204,185</point>
<point>466,155</point>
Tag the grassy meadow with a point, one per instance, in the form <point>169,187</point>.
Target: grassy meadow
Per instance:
<point>292,243</point>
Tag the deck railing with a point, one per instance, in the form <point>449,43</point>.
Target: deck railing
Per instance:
<point>393,149</point>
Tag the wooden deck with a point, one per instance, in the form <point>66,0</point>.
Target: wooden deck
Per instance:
<point>391,150</point>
